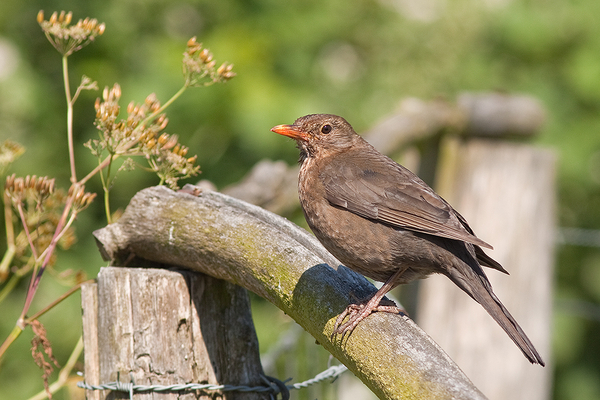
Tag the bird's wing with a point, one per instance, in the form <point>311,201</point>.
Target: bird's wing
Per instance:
<point>387,192</point>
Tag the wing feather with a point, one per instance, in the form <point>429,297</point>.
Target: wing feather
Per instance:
<point>397,198</point>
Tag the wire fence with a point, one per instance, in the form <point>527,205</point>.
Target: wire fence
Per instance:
<point>272,386</point>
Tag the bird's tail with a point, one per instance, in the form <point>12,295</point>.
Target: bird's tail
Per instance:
<point>473,281</point>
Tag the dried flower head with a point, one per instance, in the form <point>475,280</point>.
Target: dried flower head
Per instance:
<point>141,133</point>
<point>167,158</point>
<point>30,188</point>
<point>120,137</point>
<point>9,152</point>
<point>81,198</point>
<point>67,38</point>
<point>39,207</point>
<point>199,66</point>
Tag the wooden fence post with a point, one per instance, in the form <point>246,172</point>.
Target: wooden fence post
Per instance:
<point>506,192</point>
<point>162,327</point>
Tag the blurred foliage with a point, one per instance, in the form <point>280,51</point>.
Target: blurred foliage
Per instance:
<point>355,59</point>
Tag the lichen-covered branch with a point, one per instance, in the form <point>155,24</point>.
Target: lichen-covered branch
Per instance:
<point>246,245</point>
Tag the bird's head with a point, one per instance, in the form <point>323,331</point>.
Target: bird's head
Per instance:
<point>319,133</point>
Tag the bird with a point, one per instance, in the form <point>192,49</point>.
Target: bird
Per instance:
<point>382,221</point>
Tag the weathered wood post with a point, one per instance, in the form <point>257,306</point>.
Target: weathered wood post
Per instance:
<point>160,327</point>
<point>506,192</point>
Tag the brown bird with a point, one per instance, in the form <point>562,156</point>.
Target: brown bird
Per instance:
<point>383,221</point>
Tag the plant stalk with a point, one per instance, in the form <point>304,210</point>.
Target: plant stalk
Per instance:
<point>65,66</point>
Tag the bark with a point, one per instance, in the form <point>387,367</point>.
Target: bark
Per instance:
<point>160,327</point>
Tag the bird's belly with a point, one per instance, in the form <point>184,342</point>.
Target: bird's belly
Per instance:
<point>368,247</point>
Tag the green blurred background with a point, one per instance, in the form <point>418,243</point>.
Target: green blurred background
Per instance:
<point>356,59</point>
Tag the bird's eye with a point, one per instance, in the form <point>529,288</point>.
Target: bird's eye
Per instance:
<point>326,129</point>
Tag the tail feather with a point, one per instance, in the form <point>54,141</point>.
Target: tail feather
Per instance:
<point>488,261</point>
<point>473,281</point>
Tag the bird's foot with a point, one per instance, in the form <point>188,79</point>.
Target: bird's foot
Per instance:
<point>358,312</point>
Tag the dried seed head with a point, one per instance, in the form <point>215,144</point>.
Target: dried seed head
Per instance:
<point>151,100</point>
<point>117,91</point>
<point>85,200</point>
<point>9,152</point>
<point>91,25</point>
<point>164,124</point>
<point>162,139</point>
<point>172,142</point>
<point>199,66</point>
<point>204,54</point>
<point>67,38</point>
<point>81,199</point>
<point>30,181</point>
<point>224,71</point>
<point>10,181</point>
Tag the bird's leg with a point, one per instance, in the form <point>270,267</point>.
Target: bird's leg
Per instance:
<point>358,312</point>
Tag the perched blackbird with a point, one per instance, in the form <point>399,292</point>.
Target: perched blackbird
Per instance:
<point>381,220</point>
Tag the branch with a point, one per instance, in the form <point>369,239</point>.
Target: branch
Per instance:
<point>267,254</point>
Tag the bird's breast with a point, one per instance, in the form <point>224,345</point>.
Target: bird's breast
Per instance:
<point>355,241</point>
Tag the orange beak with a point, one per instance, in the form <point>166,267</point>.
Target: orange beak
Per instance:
<point>290,131</point>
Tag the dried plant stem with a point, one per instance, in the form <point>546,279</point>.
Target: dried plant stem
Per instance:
<point>167,104</point>
<point>10,240</point>
<point>26,229</point>
<point>35,278</point>
<point>57,301</point>
<point>98,168</point>
<point>7,259</point>
<point>9,286</point>
<point>70,100</point>
<point>198,64</point>
<point>63,375</point>
<point>106,187</point>
<point>48,252</point>
<point>14,334</point>
<point>22,322</point>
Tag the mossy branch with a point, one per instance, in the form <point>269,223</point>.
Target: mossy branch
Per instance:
<point>267,254</point>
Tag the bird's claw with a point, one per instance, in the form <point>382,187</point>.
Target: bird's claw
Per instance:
<point>358,312</point>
